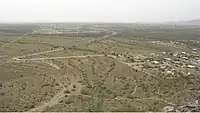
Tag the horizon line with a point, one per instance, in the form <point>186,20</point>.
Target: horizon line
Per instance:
<point>135,22</point>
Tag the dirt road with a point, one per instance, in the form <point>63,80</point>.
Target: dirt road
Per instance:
<point>51,58</point>
<point>39,53</point>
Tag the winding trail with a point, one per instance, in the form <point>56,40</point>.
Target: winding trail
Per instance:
<point>5,45</point>
<point>56,98</point>
<point>50,103</point>
<point>102,38</point>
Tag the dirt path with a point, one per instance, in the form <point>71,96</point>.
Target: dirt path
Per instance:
<point>56,98</point>
<point>52,64</point>
<point>5,45</point>
<point>50,103</point>
<point>3,56</point>
<point>120,98</point>
<point>39,53</point>
<point>130,65</point>
<point>51,58</point>
<point>102,38</point>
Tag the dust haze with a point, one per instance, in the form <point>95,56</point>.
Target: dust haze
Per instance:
<point>98,10</point>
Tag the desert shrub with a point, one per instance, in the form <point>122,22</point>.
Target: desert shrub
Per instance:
<point>74,86</point>
<point>96,106</point>
<point>57,84</point>
<point>130,96</point>
<point>73,89</point>
<point>89,86</point>
<point>61,101</point>
<point>2,93</point>
<point>69,101</point>
<point>85,92</point>
<point>67,91</point>
<point>46,84</point>
<point>126,109</point>
<point>29,106</point>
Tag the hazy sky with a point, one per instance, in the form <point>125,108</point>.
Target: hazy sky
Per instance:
<point>98,10</point>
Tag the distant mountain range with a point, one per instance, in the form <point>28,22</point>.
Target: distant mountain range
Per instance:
<point>190,22</point>
<point>196,21</point>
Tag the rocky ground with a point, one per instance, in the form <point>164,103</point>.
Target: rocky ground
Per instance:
<point>99,68</point>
